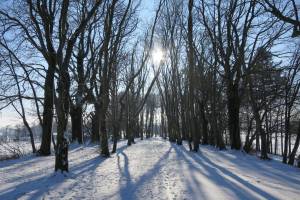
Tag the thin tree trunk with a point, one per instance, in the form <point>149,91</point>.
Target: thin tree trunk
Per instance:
<point>204,126</point>
<point>286,137</point>
<point>296,146</point>
<point>30,135</point>
<point>95,125</point>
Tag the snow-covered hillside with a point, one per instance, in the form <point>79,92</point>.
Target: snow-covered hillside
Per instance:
<point>150,169</point>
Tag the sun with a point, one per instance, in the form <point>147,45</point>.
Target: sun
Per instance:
<point>157,55</point>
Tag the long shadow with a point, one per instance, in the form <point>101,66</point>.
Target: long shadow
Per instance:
<point>28,159</point>
<point>34,159</point>
<point>194,184</point>
<point>273,169</point>
<point>213,175</point>
<point>20,166</point>
<point>128,191</point>
<point>31,158</point>
<point>43,184</point>
<point>124,175</point>
<point>220,180</point>
<point>269,168</point>
<point>77,170</point>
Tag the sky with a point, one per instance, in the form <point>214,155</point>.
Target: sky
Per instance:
<point>146,12</point>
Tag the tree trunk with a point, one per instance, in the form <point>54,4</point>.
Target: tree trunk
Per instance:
<point>233,104</point>
<point>264,145</point>
<point>276,133</point>
<point>45,148</point>
<point>30,135</point>
<point>76,119</point>
<point>62,108</point>
<point>130,132</point>
<point>104,102</point>
<point>191,70</point>
<point>61,155</point>
<point>249,141</point>
<point>260,131</point>
<point>95,126</point>
<point>141,125</point>
<point>204,126</point>
<point>286,136</point>
<point>115,138</point>
<point>104,138</point>
<point>281,136</point>
<point>257,142</point>
<point>296,146</point>
<point>179,135</point>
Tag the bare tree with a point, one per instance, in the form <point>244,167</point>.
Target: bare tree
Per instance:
<point>283,14</point>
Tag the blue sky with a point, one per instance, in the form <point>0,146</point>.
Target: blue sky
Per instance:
<point>146,11</point>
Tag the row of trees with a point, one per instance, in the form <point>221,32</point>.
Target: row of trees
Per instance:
<point>63,55</point>
<point>226,76</point>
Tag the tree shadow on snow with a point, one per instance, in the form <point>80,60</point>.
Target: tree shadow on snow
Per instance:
<point>218,175</point>
<point>273,169</point>
<point>130,188</point>
<point>35,188</point>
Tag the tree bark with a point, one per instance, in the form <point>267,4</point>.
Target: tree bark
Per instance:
<point>62,108</point>
<point>103,136</point>
<point>76,120</point>
<point>233,105</point>
<point>296,146</point>
<point>286,135</point>
<point>45,148</point>
<point>95,125</point>
<point>204,126</point>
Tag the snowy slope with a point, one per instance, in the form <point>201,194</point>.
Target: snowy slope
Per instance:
<point>150,169</point>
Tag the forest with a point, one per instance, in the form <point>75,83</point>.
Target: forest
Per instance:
<point>200,76</point>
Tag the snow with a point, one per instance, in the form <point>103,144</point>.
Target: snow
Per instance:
<point>10,148</point>
<point>150,169</point>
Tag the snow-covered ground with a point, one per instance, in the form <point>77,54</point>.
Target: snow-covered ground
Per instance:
<point>19,148</point>
<point>150,169</point>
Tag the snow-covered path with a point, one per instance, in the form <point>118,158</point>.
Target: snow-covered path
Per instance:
<point>150,169</point>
